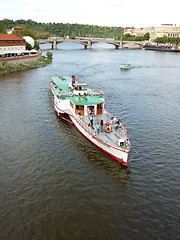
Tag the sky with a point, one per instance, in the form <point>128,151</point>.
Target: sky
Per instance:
<point>117,13</point>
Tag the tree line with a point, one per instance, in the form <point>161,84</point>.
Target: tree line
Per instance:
<point>128,37</point>
<point>171,40</point>
<point>45,30</point>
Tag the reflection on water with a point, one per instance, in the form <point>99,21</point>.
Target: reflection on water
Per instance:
<point>54,184</point>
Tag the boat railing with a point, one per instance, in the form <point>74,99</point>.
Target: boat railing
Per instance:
<point>89,129</point>
<point>96,92</point>
<point>61,77</point>
<point>63,94</point>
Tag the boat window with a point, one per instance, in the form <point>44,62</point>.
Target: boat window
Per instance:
<point>77,107</point>
<point>82,108</point>
<point>80,88</point>
<point>76,87</point>
<point>98,106</point>
<point>91,107</point>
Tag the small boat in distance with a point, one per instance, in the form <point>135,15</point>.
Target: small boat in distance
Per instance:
<point>85,108</point>
<point>125,67</point>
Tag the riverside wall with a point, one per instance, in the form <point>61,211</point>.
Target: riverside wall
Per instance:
<point>15,61</point>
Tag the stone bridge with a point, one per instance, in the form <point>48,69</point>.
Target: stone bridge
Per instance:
<point>88,42</point>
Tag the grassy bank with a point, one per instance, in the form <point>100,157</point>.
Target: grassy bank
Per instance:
<point>41,62</point>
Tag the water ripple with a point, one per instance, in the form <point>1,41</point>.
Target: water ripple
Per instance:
<point>54,184</point>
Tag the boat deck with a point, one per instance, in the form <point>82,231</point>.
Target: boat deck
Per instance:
<point>112,137</point>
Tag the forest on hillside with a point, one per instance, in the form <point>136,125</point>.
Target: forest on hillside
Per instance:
<point>45,30</point>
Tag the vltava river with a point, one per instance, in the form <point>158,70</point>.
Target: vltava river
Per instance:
<point>54,184</point>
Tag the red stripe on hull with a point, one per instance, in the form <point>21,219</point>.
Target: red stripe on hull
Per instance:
<point>116,158</point>
<point>100,140</point>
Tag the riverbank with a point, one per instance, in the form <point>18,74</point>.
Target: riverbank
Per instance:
<point>41,62</point>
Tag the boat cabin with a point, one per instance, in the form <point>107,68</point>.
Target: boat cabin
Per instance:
<point>82,109</point>
<point>81,99</point>
<point>86,102</point>
<point>80,89</point>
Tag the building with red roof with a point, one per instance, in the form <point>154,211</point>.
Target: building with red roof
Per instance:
<point>10,42</point>
<point>13,50</point>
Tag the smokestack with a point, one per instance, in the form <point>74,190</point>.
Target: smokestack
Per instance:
<point>73,80</point>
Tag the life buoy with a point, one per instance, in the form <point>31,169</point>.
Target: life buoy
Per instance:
<point>91,93</point>
<point>108,129</point>
<point>70,94</point>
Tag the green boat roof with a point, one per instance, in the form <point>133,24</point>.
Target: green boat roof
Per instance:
<point>89,100</point>
<point>65,90</point>
<point>62,83</point>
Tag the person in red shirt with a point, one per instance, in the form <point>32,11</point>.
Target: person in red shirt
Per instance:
<point>108,129</point>
<point>107,124</point>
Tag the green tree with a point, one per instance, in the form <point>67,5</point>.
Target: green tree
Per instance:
<point>28,46</point>
<point>2,28</point>
<point>165,39</point>
<point>146,37</point>
<point>26,32</point>
<point>36,45</point>
<point>49,55</point>
<point>126,36</point>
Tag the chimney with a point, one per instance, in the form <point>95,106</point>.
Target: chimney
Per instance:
<point>73,80</point>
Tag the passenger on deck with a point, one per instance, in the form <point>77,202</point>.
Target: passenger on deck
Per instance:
<point>115,119</point>
<point>98,128</point>
<point>112,119</point>
<point>91,120</point>
<point>107,124</point>
<point>118,124</point>
<point>102,125</point>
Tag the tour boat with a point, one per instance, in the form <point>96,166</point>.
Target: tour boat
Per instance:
<point>125,67</point>
<point>160,48</point>
<point>84,107</point>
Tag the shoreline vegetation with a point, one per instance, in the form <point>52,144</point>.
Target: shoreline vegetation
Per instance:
<point>41,62</point>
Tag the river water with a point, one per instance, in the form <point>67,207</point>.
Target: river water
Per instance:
<point>54,184</point>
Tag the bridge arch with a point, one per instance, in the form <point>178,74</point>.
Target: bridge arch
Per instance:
<point>102,43</point>
<point>85,43</point>
<point>88,42</point>
<point>71,42</point>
